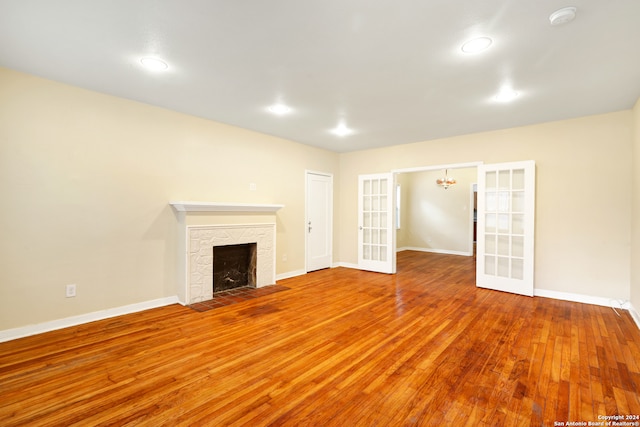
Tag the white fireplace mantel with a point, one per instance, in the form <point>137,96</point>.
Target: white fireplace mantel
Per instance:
<point>223,207</point>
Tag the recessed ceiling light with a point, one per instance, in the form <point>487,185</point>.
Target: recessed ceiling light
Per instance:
<point>476,45</point>
<point>562,16</point>
<point>153,64</point>
<point>506,94</point>
<point>279,109</point>
<point>341,130</point>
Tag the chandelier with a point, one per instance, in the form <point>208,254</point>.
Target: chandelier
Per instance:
<point>445,182</point>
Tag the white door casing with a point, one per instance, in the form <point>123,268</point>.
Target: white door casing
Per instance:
<point>376,231</point>
<point>505,233</point>
<point>319,220</point>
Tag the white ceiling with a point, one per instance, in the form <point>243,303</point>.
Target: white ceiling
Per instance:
<point>391,71</point>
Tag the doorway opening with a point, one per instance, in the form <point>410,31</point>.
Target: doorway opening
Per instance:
<point>434,219</point>
<point>505,218</point>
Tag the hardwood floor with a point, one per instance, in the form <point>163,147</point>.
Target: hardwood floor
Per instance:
<point>341,347</point>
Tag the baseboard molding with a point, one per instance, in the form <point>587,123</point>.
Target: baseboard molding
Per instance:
<point>435,251</point>
<point>346,265</point>
<point>297,273</point>
<point>586,299</point>
<point>25,331</point>
<point>290,274</point>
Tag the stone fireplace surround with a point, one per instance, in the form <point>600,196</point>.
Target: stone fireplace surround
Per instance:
<point>200,243</point>
<point>196,250</point>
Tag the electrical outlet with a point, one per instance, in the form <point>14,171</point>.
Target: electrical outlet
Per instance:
<point>70,291</point>
<point>253,186</point>
<point>284,257</point>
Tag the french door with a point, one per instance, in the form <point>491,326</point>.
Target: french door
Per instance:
<point>505,240</point>
<point>376,234</point>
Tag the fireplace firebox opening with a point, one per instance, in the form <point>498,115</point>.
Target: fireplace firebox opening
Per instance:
<point>234,266</point>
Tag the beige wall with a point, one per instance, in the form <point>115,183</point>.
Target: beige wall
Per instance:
<point>583,209</point>
<point>402,235</point>
<point>85,182</point>
<point>433,218</point>
<point>635,226</point>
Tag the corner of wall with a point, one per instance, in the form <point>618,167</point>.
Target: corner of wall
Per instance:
<point>635,213</point>
<point>634,315</point>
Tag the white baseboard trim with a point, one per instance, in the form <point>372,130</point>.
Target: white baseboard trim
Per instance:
<point>297,273</point>
<point>435,251</point>
<point>25,331</point>
<point>586,299</point>
<point>346,265</point>
<point>290,274</point>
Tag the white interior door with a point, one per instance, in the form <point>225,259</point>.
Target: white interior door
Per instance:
<point>505,240</point>
<point>376,234</point>
<point>319,229</point>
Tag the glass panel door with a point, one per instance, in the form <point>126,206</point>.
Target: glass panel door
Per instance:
<point>506,198</point>
<point>376,248</point>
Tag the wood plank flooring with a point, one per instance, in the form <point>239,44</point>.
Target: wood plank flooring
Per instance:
<point>341,347</point>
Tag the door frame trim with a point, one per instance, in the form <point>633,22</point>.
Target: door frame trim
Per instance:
<point>436,167</point>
